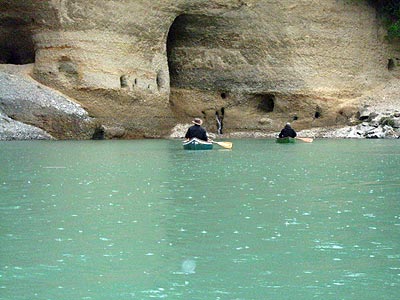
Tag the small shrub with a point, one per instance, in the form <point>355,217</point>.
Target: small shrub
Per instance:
<point>389,11</point>
<point>387,121</point>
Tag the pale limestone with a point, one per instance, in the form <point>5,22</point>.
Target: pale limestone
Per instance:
<point>123,63</point>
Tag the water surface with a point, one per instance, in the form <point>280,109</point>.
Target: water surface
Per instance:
<point>145,219</point>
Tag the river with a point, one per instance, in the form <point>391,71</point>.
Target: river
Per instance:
<point>145,219</point>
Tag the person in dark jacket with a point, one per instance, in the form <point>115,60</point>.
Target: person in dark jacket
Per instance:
<point>196,131</point>
<point>287,131</point>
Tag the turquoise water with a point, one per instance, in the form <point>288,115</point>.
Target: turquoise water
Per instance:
<point>145,219</point>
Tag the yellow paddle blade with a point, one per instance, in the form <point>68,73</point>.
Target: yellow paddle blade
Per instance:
<point>227,145</point>
<point>307,140</point>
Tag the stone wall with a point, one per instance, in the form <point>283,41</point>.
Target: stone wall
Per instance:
<point>141,67</point>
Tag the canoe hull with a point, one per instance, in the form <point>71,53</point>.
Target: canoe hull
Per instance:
<point>196,144</point>
<point>286,140</point>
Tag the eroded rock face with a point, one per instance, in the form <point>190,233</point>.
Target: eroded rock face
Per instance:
<point>144,66</point>
<point>25,101</point>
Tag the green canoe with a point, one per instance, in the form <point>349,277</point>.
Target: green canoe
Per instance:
<point>285,140</point>
<point>196,144</point>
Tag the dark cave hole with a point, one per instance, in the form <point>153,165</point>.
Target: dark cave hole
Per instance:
<point>267,103</point>
<point>390,64</point>
<point>123,80</point>
<point>16,56</point>
<point>99,133</point>
<point>317,113</point>
<point>17,48</point>
<point>224,95</point>
<point>161,80</point>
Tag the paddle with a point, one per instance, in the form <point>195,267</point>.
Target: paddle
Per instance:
<point>226,145</point>
<point>307,140</point>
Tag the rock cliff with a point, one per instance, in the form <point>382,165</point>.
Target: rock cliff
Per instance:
<point>141,67</point>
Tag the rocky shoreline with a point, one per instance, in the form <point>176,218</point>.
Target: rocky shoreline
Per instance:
<point>372,124</point>
<point>31,111</point>
<point>74,71</point>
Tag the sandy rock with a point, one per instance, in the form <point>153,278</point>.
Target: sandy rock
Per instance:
<point>27,101</point>
<point>146,66</point>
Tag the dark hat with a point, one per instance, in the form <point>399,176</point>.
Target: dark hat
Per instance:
<point>197,121</point>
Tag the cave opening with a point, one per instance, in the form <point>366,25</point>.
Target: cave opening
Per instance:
<point>266,103</point>
<point>16,45</point>
<point>194,44</point>
<point>318,112</point>
<point>390,64</point>
<point>175,36</point>
<point>123,81</point>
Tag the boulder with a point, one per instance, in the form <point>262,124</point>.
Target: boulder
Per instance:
<point>27,101</point>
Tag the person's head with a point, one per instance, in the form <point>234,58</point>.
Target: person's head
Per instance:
<point>287,124</point>
<point>197,121</point>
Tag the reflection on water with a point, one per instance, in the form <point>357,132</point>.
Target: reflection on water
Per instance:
<point>146,219</point>
<point>188,266</point>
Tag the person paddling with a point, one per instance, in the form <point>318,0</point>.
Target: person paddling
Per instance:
<point>196,131</point>
<point>287,131</point>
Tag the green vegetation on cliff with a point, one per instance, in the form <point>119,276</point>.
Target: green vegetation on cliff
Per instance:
<point>390,11</point>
